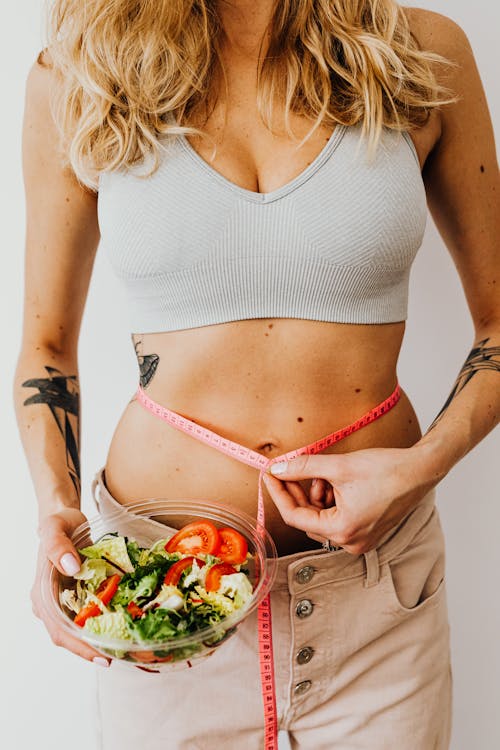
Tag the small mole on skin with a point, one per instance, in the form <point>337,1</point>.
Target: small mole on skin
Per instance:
<point>266,334</point>
<point>482,168</point>
<point>410,421</point>
<point>67,200</point>
<point>38,317</point>
<point>358,390</point>
<point>299,419</point>
<point>270,325</point>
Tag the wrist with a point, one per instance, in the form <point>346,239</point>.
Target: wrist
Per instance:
<point>60,499</point>
<point>434,456</point>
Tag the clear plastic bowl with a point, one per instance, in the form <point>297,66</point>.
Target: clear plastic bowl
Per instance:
<point>147,521</point>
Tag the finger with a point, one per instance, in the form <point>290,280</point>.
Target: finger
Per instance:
<point>329,497</point>
<point>317,493</point>
<point>306,518</point>
<point>58,547</point>
<point>327,467</point>
<point>60,638</point>
<point>297,492</point>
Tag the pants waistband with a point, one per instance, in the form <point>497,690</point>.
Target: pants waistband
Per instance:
<point>324,565</point>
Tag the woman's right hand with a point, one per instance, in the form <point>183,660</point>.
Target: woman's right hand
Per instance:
<point>55,544</point>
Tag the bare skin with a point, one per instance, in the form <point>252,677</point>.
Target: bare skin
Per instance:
<point>271,385</point>
<point>202,373</point>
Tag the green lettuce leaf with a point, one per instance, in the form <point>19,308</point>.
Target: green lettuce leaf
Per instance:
<point>156,553</point>
<point>136,589</point>
<point>93,572</point>
<point>134,551</point>
<point>112,624</point>
<point>155,625</point>
<point>113,548</point>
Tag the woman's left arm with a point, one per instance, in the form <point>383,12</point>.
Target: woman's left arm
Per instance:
<point>463,191</point>
<point>375,488</point>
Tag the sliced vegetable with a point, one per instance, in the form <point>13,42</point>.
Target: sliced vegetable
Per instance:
<point>112,624</point>
<point>176,587</point>
<point>134,610</point>
<point>93,572</point>
<point>137,586</point>
<point>214,575</point>
<point>173,575</point>
<point>108,588</point>
<point>105,593</point>
<point>90,610</point>
<point>195,538</point>
<point>168,597</point>
<point>113,548</point>
<point>233,547</point>
<point>151,657</point>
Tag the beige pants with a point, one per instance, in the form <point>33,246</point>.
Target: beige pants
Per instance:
<point>361,652</point>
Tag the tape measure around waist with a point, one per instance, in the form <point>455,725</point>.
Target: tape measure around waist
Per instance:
<point>260,462</point>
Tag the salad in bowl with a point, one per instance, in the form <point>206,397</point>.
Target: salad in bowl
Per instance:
<point>162,603</point>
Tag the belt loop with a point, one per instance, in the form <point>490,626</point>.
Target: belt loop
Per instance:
<point>372,568</point>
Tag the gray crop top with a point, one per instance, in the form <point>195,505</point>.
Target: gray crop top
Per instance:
<point>336,243</point>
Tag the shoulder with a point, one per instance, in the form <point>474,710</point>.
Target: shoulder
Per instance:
<point>41,136</point>
<point>438,33</point>
<point>39,81</point>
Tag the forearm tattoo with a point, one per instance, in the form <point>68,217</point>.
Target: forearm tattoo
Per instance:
<point>481,357</point>
<point>147,364</point>
<point>61,393</point>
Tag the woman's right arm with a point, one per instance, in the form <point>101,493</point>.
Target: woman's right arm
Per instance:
<point>62,235</point>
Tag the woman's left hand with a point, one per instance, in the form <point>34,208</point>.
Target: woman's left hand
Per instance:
<point>373,490</point>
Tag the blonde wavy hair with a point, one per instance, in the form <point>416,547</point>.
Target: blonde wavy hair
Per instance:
<point>125,68</point>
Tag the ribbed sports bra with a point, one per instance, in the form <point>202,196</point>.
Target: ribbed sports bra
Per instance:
<point>334,244</point>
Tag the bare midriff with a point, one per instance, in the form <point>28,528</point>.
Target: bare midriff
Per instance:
<point>271,385</point>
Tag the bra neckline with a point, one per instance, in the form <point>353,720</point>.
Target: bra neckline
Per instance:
<point>256,197</point>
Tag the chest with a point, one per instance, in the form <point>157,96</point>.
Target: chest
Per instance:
<point>341,208</point>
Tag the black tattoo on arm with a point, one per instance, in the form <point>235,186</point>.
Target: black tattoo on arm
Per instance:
<point>481,357</point>
<point>61,394</point>
<point>147,365</point>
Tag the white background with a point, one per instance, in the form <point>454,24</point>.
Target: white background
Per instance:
<point>47,692</point>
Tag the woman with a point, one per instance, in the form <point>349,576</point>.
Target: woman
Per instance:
<point>267,293</point>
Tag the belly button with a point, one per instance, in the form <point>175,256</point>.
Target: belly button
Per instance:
<point>267,447</point>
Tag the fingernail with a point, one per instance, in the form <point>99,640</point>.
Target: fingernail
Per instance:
<point>314,481</point>
<point>69,564</point>
<point>279,467</point>
<point>101,661</point>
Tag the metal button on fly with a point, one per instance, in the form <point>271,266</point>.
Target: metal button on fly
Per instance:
<point>304,608</point>
<point>302,687</point>
<point>304,575</point>
<point>305,655</point>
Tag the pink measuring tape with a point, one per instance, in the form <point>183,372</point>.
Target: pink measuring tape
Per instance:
<point>260,462</point>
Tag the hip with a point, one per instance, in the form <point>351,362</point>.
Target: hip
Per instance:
<point>161,461</point>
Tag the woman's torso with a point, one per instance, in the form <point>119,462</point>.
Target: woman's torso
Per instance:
<point>271,384</point>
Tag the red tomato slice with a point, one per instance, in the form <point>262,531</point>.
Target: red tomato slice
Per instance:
<point>233,546</point>
<point>173,574</point>
<point>134,610</point>
<point>150,657</point>
<point>195,537</point>
<point>212,581</point>
<point>105,592</point>
<point>108,588</point>
<point>90,610</point>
